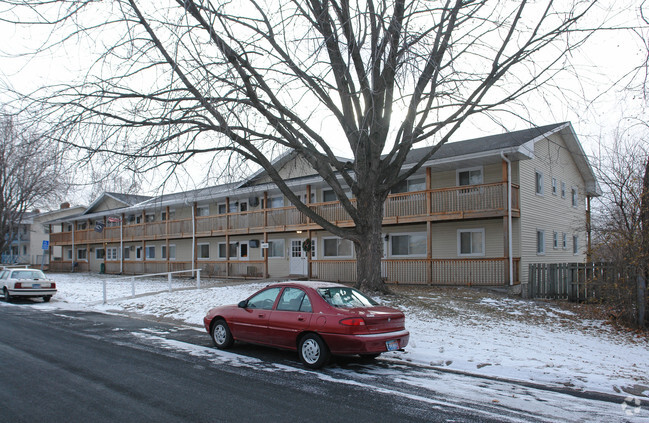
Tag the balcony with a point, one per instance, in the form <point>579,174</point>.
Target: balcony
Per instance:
<point>457,203</point>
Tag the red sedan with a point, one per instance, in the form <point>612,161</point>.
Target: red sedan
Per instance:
<point>315,318</point>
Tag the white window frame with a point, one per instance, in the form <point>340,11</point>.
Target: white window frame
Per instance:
<point>199,210</point>
<point>149,217</point>
<point>69,250</point>
<point>554,186</point>
<point>85,251</point>
<point>247,244</point>
<point>218,251</point>
<point>564,241</point>
<point>459,242</point>
<point>563,189</point>
<point>111,253</point>
<point>218,208</point>
<point>127,252</point>
<point>396,234</point>
<point>351,249</point>
<point>97,250</point>
<point>139,252</point>
<point>411,181</point>
<point>555,240</point>
<point>170,250</point>
<point>540,236</point>
<point>469,169</point>
<point>273,242</point>
<point>575,245</point>
<point>199,252</point>
<point>147,250</point>
<point>269,204</point>
<point>163,252</point>
<point>574,197</point>
<point>539,183</point>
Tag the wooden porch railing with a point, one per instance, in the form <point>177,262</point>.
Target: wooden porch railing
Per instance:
<point>475,271</point>
<point>487,200</point>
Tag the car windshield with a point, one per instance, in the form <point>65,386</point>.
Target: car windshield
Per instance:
<point>344,297</point>
<point>28,274</point>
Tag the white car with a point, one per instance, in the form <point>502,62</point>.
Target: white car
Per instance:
<point>26,283</point>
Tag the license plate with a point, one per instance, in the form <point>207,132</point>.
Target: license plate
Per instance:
<point>392,345</point>
<point>36,286</point>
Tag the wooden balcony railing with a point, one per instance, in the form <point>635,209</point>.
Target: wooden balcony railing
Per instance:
<point>487,200</point>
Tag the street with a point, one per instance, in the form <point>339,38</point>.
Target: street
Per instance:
<point>62,366</point>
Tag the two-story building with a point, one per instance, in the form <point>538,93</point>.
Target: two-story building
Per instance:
<point>477,213</point>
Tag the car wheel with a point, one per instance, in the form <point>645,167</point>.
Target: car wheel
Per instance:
<point>47,298</point>
<point>221,335</point>
<point>7,295</point>
<point>313,351</point>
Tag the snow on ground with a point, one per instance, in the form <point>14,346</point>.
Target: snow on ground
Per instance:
<point>466,330</point>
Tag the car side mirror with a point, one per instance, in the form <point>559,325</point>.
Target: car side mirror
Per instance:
<point>243,304</point>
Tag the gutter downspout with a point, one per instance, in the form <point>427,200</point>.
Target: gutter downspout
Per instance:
<point>121,245</point>
<point>509,217</point>
<point>74,224</point>
<point>193,238</point>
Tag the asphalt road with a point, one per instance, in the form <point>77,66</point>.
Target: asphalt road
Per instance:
<point>72,366</point>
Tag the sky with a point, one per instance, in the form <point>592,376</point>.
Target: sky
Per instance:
<point>587,96</point>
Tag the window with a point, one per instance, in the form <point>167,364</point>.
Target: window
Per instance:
<point>150,252</point>
<point>264,300</point>
<point>575,244</point>
<point>471,176</point>
<point>554,186</point>
<point>150,217</point>
<point>163,251</point>
<point>172,251</point>
<point>410,185</point>
<point>82,254</point>
<point>574,196</point>
<point>203,211</point>
<point>275,202</point>
<point>540,242</point>
<point>471,242</point>
<point>127,253</point>
<point>275,248</point>
<point>164,216</point>
<point>221,250</point>
<point>100,253</point>
<point>329,195</point>
<point>203,251</point>
<point>221,208</point>
<point>563,189</point>
<point>111,253</point>
<point>337,247</point>
<point>70,254</point>
<point>138,253</point>
<point>564,241</point>
<point>539,183</point>
<point>555,240</point>
<point>243,250</point>
<point>294,299</point>
<point>138,218</point>
<point>408,244</point>
<point>82,225</point>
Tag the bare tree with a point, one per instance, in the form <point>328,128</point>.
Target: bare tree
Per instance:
<point>621,224</point>
<point>29,176</point>
<point>250,80</point>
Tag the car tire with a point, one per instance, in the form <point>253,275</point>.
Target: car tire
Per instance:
<point>7,295</point>
<point>221,335</point>
<point>47,298</point>
<point>313,351</point>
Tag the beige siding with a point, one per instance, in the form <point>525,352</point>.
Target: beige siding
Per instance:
<point>549,212</point>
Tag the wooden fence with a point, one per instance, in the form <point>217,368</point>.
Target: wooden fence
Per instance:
<point>571,281</point>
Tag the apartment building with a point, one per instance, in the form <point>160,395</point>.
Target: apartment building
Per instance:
<point>478,213</point>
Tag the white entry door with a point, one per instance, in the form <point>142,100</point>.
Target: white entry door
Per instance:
<point>297,260</point>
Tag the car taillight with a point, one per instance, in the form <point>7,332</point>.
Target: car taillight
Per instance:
<point>18,285</point>
<point>53,285</point>
<point>353,321</point>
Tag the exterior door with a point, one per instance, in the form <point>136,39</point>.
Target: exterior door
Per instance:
<point>297,260</point>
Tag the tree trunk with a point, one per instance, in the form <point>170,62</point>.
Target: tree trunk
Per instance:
<point>644,250</point>
<point>369,249</point>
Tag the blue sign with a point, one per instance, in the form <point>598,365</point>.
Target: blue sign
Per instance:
<point>46,245</point>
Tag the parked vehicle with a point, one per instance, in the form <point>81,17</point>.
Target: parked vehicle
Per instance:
<point>316,319</point>
<point>26,282</point>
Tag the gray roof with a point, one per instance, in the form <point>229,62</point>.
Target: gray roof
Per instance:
<point>483,144</point>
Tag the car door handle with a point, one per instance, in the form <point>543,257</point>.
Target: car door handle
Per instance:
<point>300,318</point>
<point>261,316</point>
